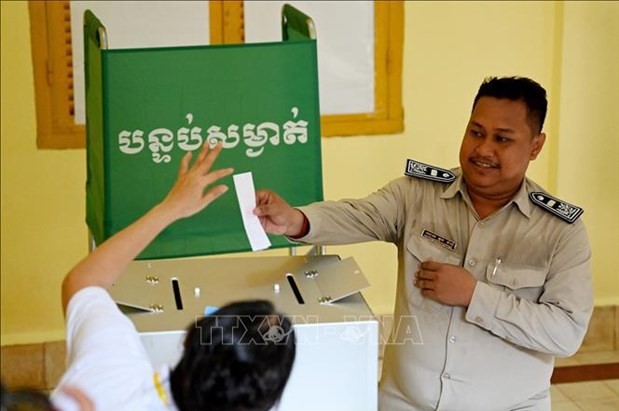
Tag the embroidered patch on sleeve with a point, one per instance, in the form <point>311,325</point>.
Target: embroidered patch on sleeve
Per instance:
<point>421,170</point>
<point>565,211</point>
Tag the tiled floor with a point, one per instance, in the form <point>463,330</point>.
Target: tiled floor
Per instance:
<point>586,396</point>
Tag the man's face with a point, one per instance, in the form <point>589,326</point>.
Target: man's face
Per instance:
<point>497,147</point>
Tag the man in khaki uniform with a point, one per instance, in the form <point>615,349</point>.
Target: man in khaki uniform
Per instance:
<point>494,275</point>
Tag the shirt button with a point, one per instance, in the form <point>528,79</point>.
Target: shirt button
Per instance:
<point>446,376</point>
<point>481,224</point>
<point>452,339</point>
<point>472,262</point>
<point>479,320</point>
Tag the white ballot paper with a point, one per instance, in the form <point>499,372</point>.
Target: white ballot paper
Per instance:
<point>246,194</point>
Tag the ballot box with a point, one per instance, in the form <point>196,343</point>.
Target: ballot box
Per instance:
<point>337,336</point>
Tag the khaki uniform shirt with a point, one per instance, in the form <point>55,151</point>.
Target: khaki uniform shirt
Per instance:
<point>497,354</point>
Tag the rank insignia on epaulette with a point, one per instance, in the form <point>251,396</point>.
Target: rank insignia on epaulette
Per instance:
<point>565,211</point>
<point>421,170</point>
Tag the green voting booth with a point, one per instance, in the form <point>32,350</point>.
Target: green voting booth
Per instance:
<point>146,107</point>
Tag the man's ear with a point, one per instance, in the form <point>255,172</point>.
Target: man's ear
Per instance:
<point>538,143</point>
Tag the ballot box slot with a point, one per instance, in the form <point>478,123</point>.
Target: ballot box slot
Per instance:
<point>295,288</point>
<point>177,294</point>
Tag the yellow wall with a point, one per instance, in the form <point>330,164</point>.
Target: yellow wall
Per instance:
<point>43,203</point>
<point>448,49</point>
<point>588,149</point>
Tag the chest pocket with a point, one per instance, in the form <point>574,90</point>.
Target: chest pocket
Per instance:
<point>524,282</point>
<point>423,250</point>
<point>420,249</point>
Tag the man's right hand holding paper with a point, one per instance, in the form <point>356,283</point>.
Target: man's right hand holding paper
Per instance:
<point>277,216</point>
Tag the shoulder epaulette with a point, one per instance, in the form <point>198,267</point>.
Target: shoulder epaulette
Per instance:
<point>421,170</point>
<point>565,211</point>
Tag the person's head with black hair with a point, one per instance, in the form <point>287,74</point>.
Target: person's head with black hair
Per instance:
<point>23,400</point>
<point>32,400</point>
<point>503,135</point>
<point>530,92</point>
<point>238,359</point>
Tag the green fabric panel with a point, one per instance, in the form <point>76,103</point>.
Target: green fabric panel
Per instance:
<point>162,102</point>
<point>95,178</point>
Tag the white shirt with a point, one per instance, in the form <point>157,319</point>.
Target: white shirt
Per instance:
<point>106,359</point>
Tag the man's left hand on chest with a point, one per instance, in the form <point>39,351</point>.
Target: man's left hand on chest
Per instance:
<point>446,283</point>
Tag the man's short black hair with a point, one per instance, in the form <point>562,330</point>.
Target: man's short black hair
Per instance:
<point>237,359</point>
<point>518,88</point>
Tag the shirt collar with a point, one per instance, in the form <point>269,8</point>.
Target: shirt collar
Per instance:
<point>521,199</point>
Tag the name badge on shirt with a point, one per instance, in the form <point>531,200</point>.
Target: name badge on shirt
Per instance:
<point>442,241</point>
